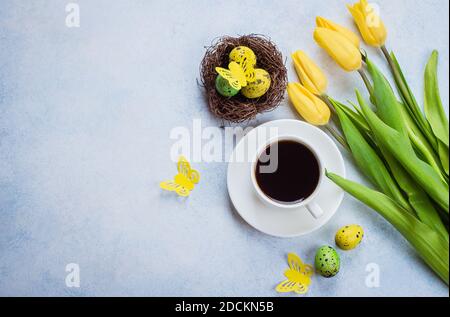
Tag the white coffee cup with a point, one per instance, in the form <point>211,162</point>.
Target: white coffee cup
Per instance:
<point>309,203</point>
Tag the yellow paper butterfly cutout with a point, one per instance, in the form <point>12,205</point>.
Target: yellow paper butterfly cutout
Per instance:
<point>298,276</point>
<point>185,181</point>
<point>247,60</point>
<point>235,75</point>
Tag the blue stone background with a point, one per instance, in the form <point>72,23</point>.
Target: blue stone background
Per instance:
<point>85,117</point>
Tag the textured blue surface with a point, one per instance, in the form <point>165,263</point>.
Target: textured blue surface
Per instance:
<point>85,117</point>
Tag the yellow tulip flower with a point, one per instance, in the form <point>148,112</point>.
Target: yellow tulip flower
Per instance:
<point>308,105</point>
<point>350,35</point>
<point>310,75</point>
<point>339,48</point>
<point>369,23</point>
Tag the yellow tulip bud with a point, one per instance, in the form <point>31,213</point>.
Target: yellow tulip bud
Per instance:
<point>308,105</point>
<point>369,23</point>
<point>339,48</point>
<point>310,75</point>
<point>350,35</point>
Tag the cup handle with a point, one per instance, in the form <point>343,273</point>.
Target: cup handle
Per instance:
<point>315,210</point>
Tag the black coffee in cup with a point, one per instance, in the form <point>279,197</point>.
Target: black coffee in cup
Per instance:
<point>288,172</point>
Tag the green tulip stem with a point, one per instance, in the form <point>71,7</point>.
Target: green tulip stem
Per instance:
<point>366,81</point>
<point>325,98</point>
<point>364,55</point>
<point>388,56</point>
<point>338,137</point>
<point>334,115</point>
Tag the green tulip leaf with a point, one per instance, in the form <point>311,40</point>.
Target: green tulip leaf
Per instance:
<point>434,110</point>
<point>411,102</point>
<point>400,147</point>
<point>431,246</point>
<point>417,197</point>
<point>396,116</point>
<point>369,162</point>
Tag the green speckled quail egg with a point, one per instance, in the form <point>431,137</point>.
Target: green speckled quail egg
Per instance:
<point>327,261</point>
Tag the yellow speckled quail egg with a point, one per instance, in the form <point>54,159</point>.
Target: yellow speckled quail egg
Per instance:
<point>349,237</point>
<point>241,52</point>
<point>259,87</point>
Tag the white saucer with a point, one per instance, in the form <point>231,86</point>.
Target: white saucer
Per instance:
<point>271,220</point>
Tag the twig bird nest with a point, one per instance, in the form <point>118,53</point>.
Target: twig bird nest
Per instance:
<point>239,108</point>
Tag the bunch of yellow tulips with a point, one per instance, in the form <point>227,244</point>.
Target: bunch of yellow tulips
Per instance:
<point>402,150</point>
<point>343,45</point>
